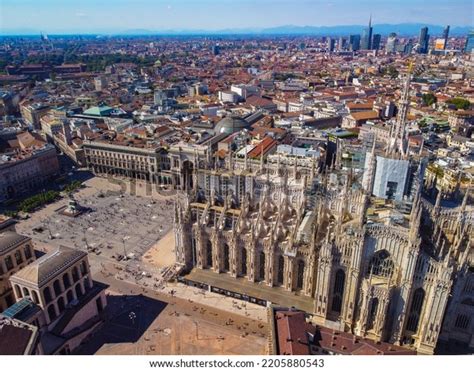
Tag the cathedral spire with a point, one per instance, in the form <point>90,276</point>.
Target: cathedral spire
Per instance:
<point>415,222</point>
<point>369,184</point>
<point>438,200</point>
<point>399,142</point>
<point>295,167</point>
<point>231,161</point>
<point>245,159</point>
<point>363,212</point>
<point>465,199</point>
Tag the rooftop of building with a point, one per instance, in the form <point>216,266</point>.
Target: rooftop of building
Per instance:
<point>48,266</point>
<point>24,154</point>
<point>230,125</point>
<point>295,336</point>
<point>6,221</point>
<point>364,115</point>
<point>101,110</point>
<point>468,113</point>
<point>123,141</point>
<point>23,146</point>
<point>16,337</point>
<point>11,239</point>
<point>22,310</point>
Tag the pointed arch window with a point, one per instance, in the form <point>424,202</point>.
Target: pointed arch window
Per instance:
<point>381,264</point>
<point>338,291</point>
<point>209,254</point>
<point>281,268</point>
<point>415,309</point>
<point>300,275</point>
<point>262,265</point>
<point>244,262</point>
<point>226,258</point>
<point>374,305</point>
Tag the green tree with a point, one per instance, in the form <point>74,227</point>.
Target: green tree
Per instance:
<point>38,200</point>
<point>71,187</point>
<point>11,213</point>
<point>459,103</point>
<point>392,72</point>
<point>429,99</point>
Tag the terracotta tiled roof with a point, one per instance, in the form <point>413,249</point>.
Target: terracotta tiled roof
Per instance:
<point>295,336</point>
<point>365,115</point>
<point>263,147</point>
<point>360,106</point>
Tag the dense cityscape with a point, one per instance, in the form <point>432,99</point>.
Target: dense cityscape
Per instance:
<point>237,194</point>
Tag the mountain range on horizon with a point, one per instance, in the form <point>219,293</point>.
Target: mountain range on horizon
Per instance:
<point>401,29</point>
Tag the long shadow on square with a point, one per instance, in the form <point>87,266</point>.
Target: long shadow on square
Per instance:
<point>127,319</point>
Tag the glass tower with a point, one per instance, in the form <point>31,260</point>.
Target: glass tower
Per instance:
<point>366,39</point>
<point>446,36</point>
<point>469,42</point>
<point>424,40</point>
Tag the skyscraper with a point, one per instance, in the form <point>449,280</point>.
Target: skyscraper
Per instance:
<point>408,47</point>
<point>376,41</point>
<point>366,39</point>
<point>446,36</point>
<point>341,43</point>
<point>391,45</point>
<point>330,44</point>
<point>354,42</point>
<point>424,40</point>
<point>469,42</point>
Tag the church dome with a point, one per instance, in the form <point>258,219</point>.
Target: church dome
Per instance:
<point>230,125</point>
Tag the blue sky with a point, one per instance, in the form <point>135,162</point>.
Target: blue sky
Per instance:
<point>116,15</point>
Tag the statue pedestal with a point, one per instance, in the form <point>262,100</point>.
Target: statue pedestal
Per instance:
<point>72,209</point>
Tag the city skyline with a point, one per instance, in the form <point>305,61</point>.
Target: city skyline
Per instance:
<point>24,16</point>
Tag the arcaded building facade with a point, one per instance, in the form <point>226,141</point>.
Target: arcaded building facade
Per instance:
<point>54,281</point>
<point>16,252</point>
<point>71,304</point>
<point>128,161</point>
